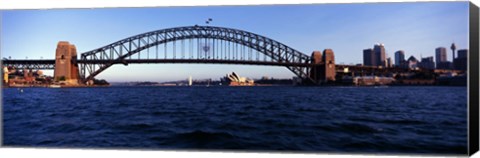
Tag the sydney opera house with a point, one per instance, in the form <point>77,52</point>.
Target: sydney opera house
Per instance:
<point>234,80</point>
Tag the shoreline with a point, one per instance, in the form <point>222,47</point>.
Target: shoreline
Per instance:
<point>50,86</point>
<point>263,85</point>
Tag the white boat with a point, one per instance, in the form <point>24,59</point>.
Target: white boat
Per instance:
<point>54,86</point>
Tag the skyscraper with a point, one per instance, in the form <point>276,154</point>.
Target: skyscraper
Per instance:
<point>441,58</point>
<point>460,63</point>
<point>441,54</point>
<point>379,50</point>
<point>399,57</point>
<point>427,63</point>
<point>462,53</point>
<point>369,57</point>
<point>389,62</point>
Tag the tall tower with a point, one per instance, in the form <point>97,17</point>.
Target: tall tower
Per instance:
<point>399,57</point>
<point>369,58</point>
<point>453,47</point>
<point>66,68</point>
<point>440,57</point>
<point>380,54</point>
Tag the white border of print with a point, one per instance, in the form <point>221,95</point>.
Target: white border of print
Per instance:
<point>82,153</point>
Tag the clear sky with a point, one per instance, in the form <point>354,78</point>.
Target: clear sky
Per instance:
<point>416,28</point>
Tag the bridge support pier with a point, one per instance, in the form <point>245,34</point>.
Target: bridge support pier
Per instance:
<point>324,69</point>
<point>66,67</point>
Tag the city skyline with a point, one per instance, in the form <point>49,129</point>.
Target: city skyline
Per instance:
<point>307,28</point>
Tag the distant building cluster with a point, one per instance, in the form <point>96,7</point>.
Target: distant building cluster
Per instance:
<point>378,57</point>
<point>25,77</point>
<point>430,70</point>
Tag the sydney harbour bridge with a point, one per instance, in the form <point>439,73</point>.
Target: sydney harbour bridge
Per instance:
<point>193,44</point>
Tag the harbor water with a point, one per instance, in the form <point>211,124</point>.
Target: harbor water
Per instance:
<point>278,118</point>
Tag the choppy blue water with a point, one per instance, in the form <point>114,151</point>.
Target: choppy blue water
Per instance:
<point>320,119</point>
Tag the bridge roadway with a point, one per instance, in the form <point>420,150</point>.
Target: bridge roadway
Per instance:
<point>50,64</point>
<point>43,64</point>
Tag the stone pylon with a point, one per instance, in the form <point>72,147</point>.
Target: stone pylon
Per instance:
<point>66,67</point>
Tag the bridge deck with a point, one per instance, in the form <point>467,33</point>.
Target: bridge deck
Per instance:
<point>46,64</point>
<point>202,61</point>
<point>32,63</point>
<point>50,64</point>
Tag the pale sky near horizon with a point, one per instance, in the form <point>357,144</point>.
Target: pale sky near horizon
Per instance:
<point>416,28</point>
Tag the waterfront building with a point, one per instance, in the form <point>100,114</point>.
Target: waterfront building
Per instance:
<point>389,62</point>
<point>28,76</point>
<point>296,80</point>
<point>462,53</point>
<point>234,80</point>
<point>372,80</point>
<point>427,63</point>
<point>379,50</point>
<point>39,72</point>
<point>369,57</point>
<point>412,62</point>
<point>460,63</point>
<point>399,58</point>
<point>5,75</point>
<point>441,58</point>
<point>444,65</point>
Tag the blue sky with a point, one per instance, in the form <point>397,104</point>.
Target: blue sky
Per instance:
<point>416,28</point>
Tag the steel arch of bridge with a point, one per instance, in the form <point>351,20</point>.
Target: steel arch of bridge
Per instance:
<point>95,61</point>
